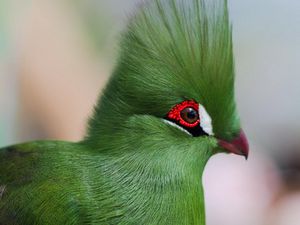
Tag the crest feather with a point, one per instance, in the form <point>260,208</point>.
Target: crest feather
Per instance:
<point>175,50</point>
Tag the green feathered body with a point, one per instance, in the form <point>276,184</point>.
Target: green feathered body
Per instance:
<point>73,183</point>
<point>134,168</point>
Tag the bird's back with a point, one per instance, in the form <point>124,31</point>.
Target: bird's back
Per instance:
<point>43,183</point>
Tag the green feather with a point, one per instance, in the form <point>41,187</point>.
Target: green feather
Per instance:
<point>173,50</point>
<point>132,168</point>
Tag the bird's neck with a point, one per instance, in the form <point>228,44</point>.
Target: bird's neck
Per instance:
<point>160,190</point>
<point>158,180</point>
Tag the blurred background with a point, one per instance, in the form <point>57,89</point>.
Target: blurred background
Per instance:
<point>56,56</point>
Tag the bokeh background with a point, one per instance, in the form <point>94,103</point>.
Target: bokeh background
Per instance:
<point>56,56</point>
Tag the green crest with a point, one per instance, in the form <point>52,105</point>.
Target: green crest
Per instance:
<point>173,50</point>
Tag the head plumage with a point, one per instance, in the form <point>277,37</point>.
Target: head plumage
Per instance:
<point>174,50</point>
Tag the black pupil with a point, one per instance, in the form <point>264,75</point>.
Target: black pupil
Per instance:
<point>190,115</point>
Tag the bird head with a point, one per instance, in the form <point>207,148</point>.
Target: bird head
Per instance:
<point>174,81</point>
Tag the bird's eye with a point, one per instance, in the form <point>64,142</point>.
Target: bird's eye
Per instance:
<point>185,114</point>
<point>189,115</point>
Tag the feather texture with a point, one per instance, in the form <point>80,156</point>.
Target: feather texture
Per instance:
<point>132,168</point>
<point>173,50</point>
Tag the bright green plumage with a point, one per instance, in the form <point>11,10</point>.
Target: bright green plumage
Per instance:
<point>133,168</point>
<point>173,50</point>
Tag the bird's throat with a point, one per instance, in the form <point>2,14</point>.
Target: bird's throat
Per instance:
<point>159,192</point>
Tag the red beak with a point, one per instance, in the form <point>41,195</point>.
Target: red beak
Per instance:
<point>238,145</point>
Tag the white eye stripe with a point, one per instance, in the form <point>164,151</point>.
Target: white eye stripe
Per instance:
<point>177,126</point>
<point>205,121</point>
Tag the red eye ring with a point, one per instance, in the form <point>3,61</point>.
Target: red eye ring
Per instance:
<point>176,113</point>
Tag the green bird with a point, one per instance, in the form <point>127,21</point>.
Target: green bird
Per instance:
<point>167,109</point>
